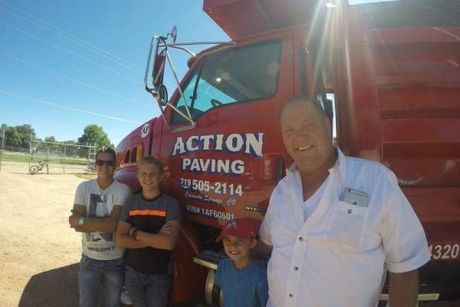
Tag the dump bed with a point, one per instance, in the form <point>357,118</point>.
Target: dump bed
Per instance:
<point>403,106</point>
<point>240,18</point>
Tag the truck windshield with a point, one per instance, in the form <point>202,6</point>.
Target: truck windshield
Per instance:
<point>234,75</point>
<point>409,13</point>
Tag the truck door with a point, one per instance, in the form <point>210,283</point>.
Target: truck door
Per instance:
<point>227,162</point>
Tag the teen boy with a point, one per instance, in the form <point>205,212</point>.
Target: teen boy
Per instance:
<point>148,229</point>
<point>243,280</point>
<point>97,207</point>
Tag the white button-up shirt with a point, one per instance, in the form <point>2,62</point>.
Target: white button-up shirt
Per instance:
<point>339,255</point>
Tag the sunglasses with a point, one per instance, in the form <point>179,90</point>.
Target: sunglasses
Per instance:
<point>106,162</point>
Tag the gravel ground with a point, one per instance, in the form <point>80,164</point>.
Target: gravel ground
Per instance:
<point>38,252</point>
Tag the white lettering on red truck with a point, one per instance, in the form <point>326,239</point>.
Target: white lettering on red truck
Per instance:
<point>245,143</point>
<point>210,213</point>
<point>248,143</point>
<point>235,167</point>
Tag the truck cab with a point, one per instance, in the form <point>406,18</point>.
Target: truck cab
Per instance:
<point>389,79</point>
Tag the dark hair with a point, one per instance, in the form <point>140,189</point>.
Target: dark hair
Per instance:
<point>152,161</point>
<point>108,150</point>
<point>302,99</point>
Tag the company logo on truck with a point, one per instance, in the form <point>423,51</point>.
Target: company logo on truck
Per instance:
<point>238,143</point>
<point>145,130</point>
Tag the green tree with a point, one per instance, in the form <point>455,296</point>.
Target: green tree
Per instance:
<point>18,136</point>
<point>26,132</point>
<point>12,137</point>
<point>94,135</point>
<point>50,139</point>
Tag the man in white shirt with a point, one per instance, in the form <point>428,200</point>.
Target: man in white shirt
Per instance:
<point>336,224</point>
<point>96,211</point>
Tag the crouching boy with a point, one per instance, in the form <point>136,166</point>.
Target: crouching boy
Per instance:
<point>148,229</point>
<point>242,279</point>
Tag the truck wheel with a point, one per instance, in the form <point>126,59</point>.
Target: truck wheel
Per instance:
<point>33,169</point>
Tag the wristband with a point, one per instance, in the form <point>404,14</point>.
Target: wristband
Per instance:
<point>81,221</point>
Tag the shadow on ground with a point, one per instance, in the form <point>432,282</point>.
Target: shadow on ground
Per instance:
<point>55,288</point>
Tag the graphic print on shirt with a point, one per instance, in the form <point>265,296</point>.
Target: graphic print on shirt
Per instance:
<point>97,204</point>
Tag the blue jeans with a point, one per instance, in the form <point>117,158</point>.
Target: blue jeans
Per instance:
<point>147,290</point>
<point>92,273</point>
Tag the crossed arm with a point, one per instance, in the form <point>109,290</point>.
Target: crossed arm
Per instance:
<point>129,237</point>
<point>101,224</point>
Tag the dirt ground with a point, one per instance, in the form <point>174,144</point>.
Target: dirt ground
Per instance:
<point>39,253</point>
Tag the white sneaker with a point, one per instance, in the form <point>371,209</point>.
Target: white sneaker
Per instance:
<point>124,298</point>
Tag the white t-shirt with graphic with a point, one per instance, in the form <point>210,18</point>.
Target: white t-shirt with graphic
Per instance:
<point>99,203</point>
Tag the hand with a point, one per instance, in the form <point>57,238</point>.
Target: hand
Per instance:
<point>166,229</point>
<point>73,220</point>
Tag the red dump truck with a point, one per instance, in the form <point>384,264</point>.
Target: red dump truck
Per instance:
<point>388,73</point>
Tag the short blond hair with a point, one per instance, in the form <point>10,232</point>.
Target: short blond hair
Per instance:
<point>151,160</point>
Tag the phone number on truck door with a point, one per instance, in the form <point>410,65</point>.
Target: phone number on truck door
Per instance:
<point>208,186</point>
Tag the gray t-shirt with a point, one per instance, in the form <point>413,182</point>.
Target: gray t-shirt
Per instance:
<point>99,203</point>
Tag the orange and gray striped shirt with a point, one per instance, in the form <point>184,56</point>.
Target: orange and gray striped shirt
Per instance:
<point>149,215</point>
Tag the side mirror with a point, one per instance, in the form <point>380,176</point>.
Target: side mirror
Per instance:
<point>158,52</point>
<point>158,69</point>
<point>161,95</point>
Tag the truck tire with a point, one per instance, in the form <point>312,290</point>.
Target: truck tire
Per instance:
<point>33,169</point>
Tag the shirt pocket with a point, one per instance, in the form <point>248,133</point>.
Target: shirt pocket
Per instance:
<point>347,223</point>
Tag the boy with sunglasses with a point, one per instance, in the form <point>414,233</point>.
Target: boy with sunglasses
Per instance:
<point>95,213</point>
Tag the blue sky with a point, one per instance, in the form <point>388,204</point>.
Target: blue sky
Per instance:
<point>66,64</point>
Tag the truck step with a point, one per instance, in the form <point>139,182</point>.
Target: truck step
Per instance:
<point>209,258</point>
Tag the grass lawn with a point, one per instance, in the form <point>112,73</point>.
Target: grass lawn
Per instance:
<point>24,157</point>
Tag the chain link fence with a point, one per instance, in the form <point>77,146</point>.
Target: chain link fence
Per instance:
<point>47,158</point>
